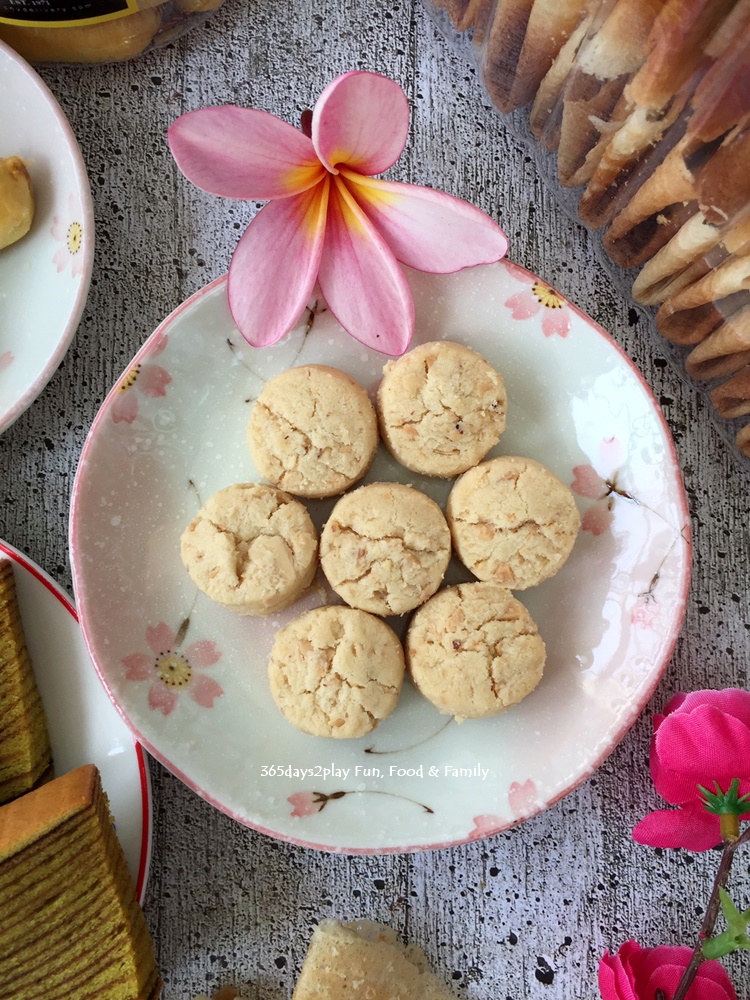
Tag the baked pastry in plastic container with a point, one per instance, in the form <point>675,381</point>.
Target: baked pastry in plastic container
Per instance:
<point>639,114</point>
<point>95,31</point>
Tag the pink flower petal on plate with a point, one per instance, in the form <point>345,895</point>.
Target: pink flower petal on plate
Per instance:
<point>587,482</point>
<point>138,667</point>
<point>555,322</point>
<point>304,804</point>
<point>428,230</point>
<point>203,653</point>
<point>61,258</point>
<point>160,637</point>
<point>361,280</point>
<point>361,120</point>
<point>158,345</point>
<point>6,360</point>
<point>486,824</point>
<point>125,407</point>
<point>59,229</point>
<point>597,519</point>
<point>161,698</point>
<point>523,798</point>
<point>523,305</point>
<point>275,266</point>
<point>243,153</point>
<point>153,380</point>
<point>689,827</point>
<point>204,691</point>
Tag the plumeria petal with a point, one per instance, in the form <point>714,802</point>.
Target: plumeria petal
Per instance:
<point>361,120</point>
<point>160,637</point>
<point>275,265</point>
<point>205,690</point>
<point>361,280</point>
<point>243,153</point>
<point>428,230</point>
<point>203,653</point>
<point>161,698</point>
<point>138,667</point>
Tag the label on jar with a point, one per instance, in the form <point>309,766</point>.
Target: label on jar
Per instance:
<point>63,13</point>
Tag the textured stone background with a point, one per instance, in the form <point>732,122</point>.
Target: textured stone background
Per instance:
<point>525,914</point>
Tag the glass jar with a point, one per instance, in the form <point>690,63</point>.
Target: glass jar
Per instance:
<point>95,31</point>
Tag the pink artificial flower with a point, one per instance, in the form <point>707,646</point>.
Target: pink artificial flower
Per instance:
<point>556,315</point>
<point>6,360</point>
<point>636,973</point>
<point>702,738</point>
<point>174,670</point>
<point>328,220</point>
<point>150,380</point>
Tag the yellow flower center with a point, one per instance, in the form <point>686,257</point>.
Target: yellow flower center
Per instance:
<point>75,237</point>
<point>129,381</point>
<point>547,296</point>
<point>174,670</point>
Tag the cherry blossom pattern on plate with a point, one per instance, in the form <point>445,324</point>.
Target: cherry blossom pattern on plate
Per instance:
<point>67,231</point>
<point>310,803</point>
<point>6,360</point>
<point>172,670</point>
<point>541,296</point>
<point>524,801</point>
<point>144,378</point>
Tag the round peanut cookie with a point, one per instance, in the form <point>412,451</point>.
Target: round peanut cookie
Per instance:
<point>336,671</point>
<point>512,521</point>
<point>313,431</point>
<point>385,548</point>
<point>441,408</point>
<point>474,650</point>
<point>252,548</point>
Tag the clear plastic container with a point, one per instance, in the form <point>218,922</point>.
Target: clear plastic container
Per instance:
<point>95,31</point>
<point>644,108</point>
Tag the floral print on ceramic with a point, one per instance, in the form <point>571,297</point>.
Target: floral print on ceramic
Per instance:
<point>420,780</point>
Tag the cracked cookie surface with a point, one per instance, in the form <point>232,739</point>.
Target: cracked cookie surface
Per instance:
<point>512,521</point>
<point>385,548</point>
<point>474,650</point>
<point>252,548</point>
<point>336,671</point>
<point>441,407</point>
<point>313,431</point>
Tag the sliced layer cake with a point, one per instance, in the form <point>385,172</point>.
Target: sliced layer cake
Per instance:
<point>70,924</point>
<point>25,756</point>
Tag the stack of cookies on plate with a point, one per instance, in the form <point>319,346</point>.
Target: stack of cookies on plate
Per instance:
<point>472,650</point>
<point>648,108</point>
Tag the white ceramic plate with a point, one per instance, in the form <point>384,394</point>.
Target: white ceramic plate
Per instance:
<point>173,431</point>
<point>83,726</point>
<point>44,277</point>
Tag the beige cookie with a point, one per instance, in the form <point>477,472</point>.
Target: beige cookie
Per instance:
<point>441,408</point>
<point>252,548</point>
<point>313,431</point>
<point>474,650</point>
<point>385,548</point>
<point>336,671</point>
<point>512,521</point>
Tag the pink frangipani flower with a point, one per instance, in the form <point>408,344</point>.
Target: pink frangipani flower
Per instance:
<point>328,220</point>
<point>636,973</point>
<point>703,738</point>
<point>172,670</point>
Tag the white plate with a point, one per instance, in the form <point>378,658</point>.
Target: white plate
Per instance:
<point>173,431</point>
<point>83,726</point>
<point>44,277</point>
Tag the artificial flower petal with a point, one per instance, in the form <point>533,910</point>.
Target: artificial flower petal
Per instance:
<point>704,743</point>
<point>243,153</point>
<point>690,827</point>
<point>428,230</point>
<point>361,280</point>
<point>361,120</point>
<point>275,265</point>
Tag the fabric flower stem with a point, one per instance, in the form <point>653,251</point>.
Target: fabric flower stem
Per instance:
<point>712,912</point>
